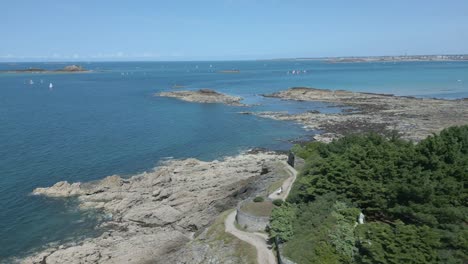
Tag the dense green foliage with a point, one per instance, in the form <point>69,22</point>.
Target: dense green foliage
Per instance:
<point>281,222</point>
<point>278,202</point>
<point>413,196</point>
<point>322,231</point>
<point>399,243</point>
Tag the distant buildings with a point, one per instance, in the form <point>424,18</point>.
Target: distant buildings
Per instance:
<point>461,57</point>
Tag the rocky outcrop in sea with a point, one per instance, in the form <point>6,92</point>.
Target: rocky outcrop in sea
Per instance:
<point>204,96</point>
<point>413,118</point>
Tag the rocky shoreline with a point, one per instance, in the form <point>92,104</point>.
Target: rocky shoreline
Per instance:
<point>413,118</point>
<point>204,96</point>
<point>157,213</point>
<point>161,216</point>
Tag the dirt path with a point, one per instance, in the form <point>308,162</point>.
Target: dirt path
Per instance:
<point>287,184</point>
<point>258,240</point>
<point>264,255</point>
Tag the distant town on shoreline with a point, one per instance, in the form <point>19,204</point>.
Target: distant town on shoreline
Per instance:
<point>453,57</point>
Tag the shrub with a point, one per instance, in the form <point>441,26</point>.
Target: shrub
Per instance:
<point>258,199</point>
<point>281,222</point>
<point>278,202</point>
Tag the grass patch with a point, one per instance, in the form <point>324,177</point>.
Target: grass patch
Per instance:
<point>241,228</point>
<point>258,209</point>
<point>281,170</point>
<point>276,185</point>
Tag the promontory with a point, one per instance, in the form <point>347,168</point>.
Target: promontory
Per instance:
<point>156,215</point>
<point>413,118</point>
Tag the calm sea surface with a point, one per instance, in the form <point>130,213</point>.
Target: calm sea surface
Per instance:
<point>108,122</point>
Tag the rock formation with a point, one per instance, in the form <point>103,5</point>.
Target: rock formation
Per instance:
<point>66,69</point>
<point>413,118</point>
<point>204,96</point>
<point>73,68</point>
<point>156,213</point>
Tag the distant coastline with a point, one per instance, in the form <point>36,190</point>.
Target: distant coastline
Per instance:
<point>401,58</point>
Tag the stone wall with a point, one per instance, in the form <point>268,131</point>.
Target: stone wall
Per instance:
<point>250,222</point>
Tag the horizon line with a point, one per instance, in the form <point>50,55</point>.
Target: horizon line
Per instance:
<point>136,59</point>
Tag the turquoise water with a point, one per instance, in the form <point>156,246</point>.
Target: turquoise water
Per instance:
<point>108,122</point>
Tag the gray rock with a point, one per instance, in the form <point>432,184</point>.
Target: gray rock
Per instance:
<point>154,214</point>
<point>413,118</point>
<point>204,96</point>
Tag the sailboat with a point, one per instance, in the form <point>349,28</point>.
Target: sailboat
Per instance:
<point>51,86</point>
<point>31,82</point>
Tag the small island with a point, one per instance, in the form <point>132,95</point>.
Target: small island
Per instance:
<point>204,96</point>
<point>66,69</point>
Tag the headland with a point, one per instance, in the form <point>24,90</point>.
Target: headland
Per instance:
<point>413,118</point>
<point>157,213</point>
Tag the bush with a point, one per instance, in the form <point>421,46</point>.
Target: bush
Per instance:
<point>258,199</point>
<point>278,202</point>
<point>281,222</point>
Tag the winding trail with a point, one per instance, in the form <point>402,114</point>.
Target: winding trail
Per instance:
<point>287,184</point>
<point>259,240</point>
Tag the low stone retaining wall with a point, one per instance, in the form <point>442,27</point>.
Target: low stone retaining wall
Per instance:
<point>250,222</point>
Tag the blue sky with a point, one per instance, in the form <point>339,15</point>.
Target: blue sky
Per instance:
<point>229,29</point>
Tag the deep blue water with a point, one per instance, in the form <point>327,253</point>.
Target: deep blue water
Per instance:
<point>108,122</point>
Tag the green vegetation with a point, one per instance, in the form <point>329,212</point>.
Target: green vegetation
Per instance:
<point>413,197</point>
<point>259,199</point>
<point>281,223</point>
<point>278,202</point>
<point>284,174</point>
<point>276,185</point>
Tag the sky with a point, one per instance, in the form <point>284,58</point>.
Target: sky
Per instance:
<point>85,30</point>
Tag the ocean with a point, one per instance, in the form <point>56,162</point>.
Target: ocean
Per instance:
<point>91,125</point>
